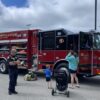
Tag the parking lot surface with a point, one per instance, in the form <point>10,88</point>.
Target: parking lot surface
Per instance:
<point>37,90</point>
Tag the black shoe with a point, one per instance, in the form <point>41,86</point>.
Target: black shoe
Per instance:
<point>10,93</point>
<point>16,84</point>
<point>14,92</point>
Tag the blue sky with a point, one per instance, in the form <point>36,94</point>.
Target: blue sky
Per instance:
<point>17,3</point>
<point>48,14</point>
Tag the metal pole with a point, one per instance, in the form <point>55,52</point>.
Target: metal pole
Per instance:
<point>95,27</point>
<point>28,25</point>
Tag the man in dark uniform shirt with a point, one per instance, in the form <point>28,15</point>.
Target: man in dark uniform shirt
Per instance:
<point>13,71</point>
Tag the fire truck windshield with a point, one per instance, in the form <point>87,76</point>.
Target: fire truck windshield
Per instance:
<point>96,43</point>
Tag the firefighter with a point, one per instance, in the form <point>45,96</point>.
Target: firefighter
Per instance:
<point>13,71</point>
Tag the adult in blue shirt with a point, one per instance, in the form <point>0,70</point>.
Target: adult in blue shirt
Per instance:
<point>73,61</point>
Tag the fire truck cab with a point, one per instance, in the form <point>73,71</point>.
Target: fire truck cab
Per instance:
<point>54,45</point>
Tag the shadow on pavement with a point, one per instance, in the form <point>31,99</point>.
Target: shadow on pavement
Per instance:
<point>22,71</point>
<point>95,81</point>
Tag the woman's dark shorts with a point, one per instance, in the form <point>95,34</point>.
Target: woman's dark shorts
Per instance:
<point>48,79</point>
<point>72,71</point>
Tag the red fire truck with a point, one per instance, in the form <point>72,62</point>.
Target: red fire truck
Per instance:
<point>22,41</point>
<point>52,46</point>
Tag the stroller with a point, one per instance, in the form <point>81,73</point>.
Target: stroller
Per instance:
<point>61,77</point>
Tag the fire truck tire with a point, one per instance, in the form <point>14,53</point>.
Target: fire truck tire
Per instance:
<point>3,67</point>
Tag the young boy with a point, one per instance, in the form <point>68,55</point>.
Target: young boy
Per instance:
<point>48,74</point>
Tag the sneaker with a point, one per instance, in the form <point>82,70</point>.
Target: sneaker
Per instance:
<point>50,88</point>
<point>72,87</point>
<point>77,86</point>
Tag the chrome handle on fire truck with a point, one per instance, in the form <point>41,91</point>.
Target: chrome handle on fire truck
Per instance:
<point>39,55</point>
<point>44,54</point>
<point>99,58</point>
<point>57,57</point>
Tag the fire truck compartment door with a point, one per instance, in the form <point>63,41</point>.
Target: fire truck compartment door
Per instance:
<point>46,47</point>
<point>85,53</point>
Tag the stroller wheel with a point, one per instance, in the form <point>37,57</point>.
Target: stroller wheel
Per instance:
<point>67,94</point>
<point>53,92</point>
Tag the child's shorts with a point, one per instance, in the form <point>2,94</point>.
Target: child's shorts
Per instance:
<point>48,79</point>
<point>72,71</point>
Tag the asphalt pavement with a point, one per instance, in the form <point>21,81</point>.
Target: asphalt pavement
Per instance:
<point>37,90</point>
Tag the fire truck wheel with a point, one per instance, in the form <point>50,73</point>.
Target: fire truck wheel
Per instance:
<point>3,67</point>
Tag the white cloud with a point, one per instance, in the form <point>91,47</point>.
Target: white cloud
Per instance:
<point>47,14</point>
